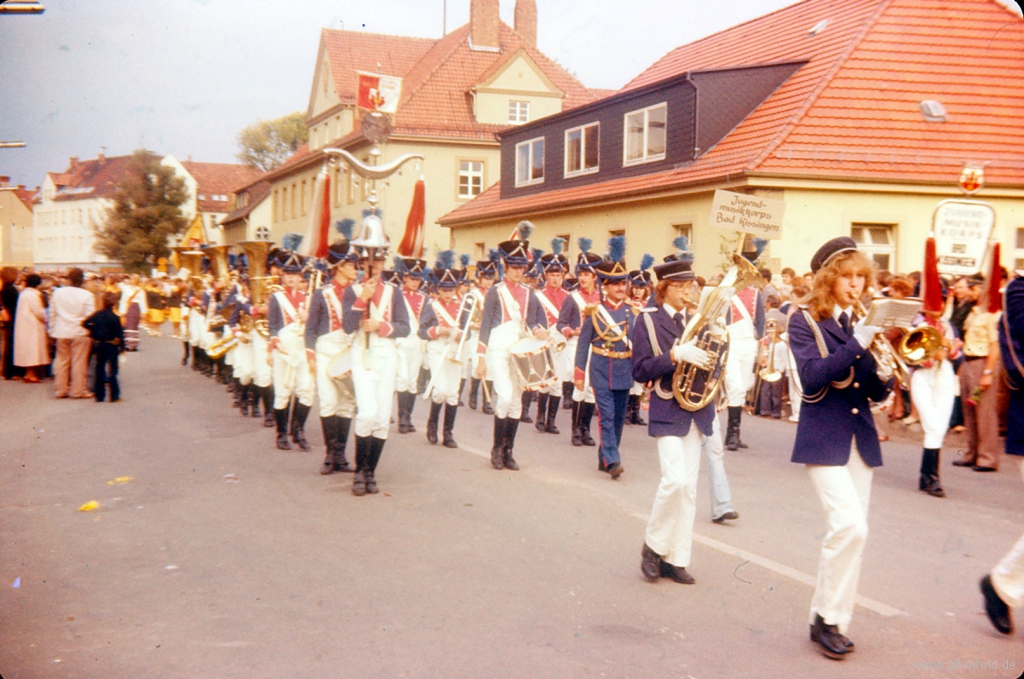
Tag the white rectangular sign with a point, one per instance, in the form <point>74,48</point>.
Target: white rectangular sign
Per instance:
<point>761,217</point>
<point>962,229</point>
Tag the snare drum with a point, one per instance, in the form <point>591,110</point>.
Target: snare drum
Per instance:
<point>532,366</point>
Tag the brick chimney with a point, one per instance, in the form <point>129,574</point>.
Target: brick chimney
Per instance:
<point>4,181</point>
<point>72,163</point>
<point>526,21</point>
<point>483,24</point>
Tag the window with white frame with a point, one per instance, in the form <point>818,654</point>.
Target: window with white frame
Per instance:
<point>582,149</point>
<point>518,112</point>
<point>685,229</point>
<point>530,162</point>
<point>471,178</point>
<point>1018,255</point>
<point>645,135</point>
<point>878,242</point>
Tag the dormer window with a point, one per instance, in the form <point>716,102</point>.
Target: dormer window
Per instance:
<point>582,150</point>
<point>518,112</point>
<point>645,135</point>
<point>530,162</point>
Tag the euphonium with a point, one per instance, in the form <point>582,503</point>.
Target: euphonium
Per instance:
<point>693,386</point>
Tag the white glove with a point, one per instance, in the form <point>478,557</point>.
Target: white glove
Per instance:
<point>690,353</point>
<point>865,334</point>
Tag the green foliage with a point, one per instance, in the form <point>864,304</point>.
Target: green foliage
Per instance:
<point>267,143</point>
<point>145,215</point>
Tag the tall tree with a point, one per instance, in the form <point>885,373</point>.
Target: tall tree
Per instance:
<point>145,214</point>
<point>267,143</point>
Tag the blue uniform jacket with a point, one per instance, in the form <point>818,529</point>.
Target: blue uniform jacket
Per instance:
<point>493,314</point>
<point>428,320</point>
<point>828,427</point>
<point>275,316</point>
<point>1011,347</point>
<point>569,316</point>
<point>353,314</point>
<point>606,372</point>
<point>665,418</point>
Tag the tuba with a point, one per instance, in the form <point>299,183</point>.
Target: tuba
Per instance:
<point>261,285</point>
<point>694,386</point>
<point>193,261</point>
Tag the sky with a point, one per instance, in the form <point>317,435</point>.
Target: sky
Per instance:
<point>185,76</point>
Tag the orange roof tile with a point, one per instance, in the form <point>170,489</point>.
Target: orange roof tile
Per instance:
<point>351,51</point>
<point>90,178</point>
<point>257,193</point>
<point>218,179</point>
<point>852,110</point>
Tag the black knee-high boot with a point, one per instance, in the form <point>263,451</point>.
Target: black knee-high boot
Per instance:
<point>929,481</point>
<point>567,389</point>
<point>435,414</point>
<point>373,457</point>
<point>242,398</point>
<point>341,441</point>
<point>577,437</point>
<point>732,428</point>
<point>299,414</point>
<point>410,404</point>
<point>184,358</point>
<point>362,453</point>
<point>330,429</point>
<point>511,426</point>
<point>550,427</point>
<point>449,425</point>
<point>281,418</point>
<point>268,405</point>
<point>474,388</point>
<point>526,400</point>
<point>542,412</point>
<point>498,449</point>
<point>586,415</point>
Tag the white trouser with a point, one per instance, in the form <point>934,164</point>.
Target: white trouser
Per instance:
<point>337,396</point>
<point>292,380</point>
<point>196,326</point>
<point>721,498</point>
<point>229,358</point>
<point>557,358</point>
<point>262,375</point>
<point>587,394</point>
<point>243,361</point>
<point>373,376</point>
<point>933,391</point>
<point>636,390</point>
<point>410,357</point>
<point>1008,575</point>
<point>508,396</point>
<point>445,375</point>
<point>739,368</point>
<point>469,355</point>
<point>670,528</point>
<point>845,493</point>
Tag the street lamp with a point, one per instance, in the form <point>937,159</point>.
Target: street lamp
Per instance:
<point>21,7</point>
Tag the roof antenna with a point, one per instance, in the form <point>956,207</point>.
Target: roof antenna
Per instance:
<point>444,18</point>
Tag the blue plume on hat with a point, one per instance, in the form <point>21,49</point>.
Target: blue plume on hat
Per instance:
<point>397,264</point>
<point>617,248</point>
<point>494,254</point>
<point>344,227</point>
<point>524,229</point>
<point>646,262</point>
<point>537,254</point>
<point>585,244</point>
<point>759,245</point>
<point>446,259</point>
<point>680,243</point>
<point>464,260</point>
<point>685,256</point>
<point>291,241</point>
<point>557,245</point>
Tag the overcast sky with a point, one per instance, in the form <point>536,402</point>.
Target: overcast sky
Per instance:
<point>184,76</point>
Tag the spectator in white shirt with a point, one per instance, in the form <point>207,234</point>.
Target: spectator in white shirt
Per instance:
<point>69,306</point>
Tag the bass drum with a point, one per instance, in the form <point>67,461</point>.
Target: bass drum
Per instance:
<point>532,366</point>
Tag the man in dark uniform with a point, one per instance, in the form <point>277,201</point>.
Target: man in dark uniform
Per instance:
<point>604,343</point>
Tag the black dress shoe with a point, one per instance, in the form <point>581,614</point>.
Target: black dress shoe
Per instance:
<point>979,468</point>
<point>998,611</point>
<point>833,644</point>
<point>677,574</point>
<point>963,463</point>
<point>818,622</point>
<point>650,564</point>
<point>728,516</point>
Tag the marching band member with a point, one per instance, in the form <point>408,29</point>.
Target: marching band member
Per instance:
<point>530,279</point>
<point>551,298</point>
<point>933,383</point>
<point>486,274</point>
<point>669,536</point>
<point>639,295</point>
<point>411,347</point>
<point>460,293</point>
<point>746,327</point>
<point>836,437</point>
<point>263,376</point>
<point>243,358</point>
<point>326,340</point>
<point>440,327</point>
<point>510,311</point>
<point>375,313</point>
<point>286,317</point>
<point>603,353</point>
<point>196,320</point>
<point>1003,587</point>
<point>570,320</point>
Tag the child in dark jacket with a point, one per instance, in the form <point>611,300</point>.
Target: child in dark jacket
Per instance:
<point>105,328</point>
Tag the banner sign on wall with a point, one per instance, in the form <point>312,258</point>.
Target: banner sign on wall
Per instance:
<point>761,217</point>
<point>962,229</point>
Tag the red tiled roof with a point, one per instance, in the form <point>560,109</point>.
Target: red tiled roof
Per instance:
<point>257,193</point>
<point>852,110</point>
<point>218,179</point>
<point>27,196</point>
<point>351,51</point>
<point>90,178</point>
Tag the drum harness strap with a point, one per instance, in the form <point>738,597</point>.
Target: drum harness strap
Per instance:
<point>819,339</point>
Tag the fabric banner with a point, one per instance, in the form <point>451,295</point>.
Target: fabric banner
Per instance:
<point>379,92</point>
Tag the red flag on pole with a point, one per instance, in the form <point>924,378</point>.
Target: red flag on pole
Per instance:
<point>412,240</point>
<point>315,241</point>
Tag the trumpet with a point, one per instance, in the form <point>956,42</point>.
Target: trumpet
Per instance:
<point>770,374</point>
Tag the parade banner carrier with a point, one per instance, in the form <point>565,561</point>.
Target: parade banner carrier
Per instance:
<point>761,217</point>
<point>962,229</point>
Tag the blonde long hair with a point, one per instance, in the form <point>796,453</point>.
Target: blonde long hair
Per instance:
<point>820,301</point>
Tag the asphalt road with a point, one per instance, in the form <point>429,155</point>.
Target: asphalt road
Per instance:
<point>224,557</point>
